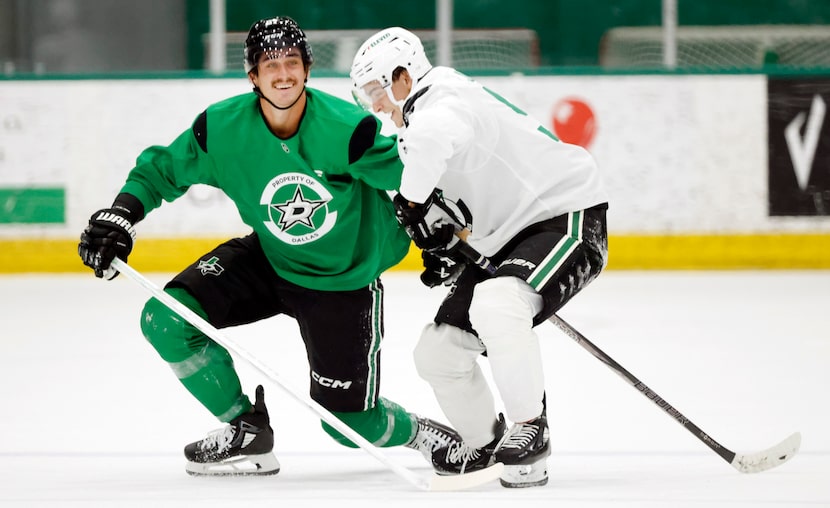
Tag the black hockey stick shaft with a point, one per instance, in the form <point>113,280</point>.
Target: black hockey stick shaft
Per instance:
<point>570,331</point>
<point>484,263</point>
<point>475,257</point>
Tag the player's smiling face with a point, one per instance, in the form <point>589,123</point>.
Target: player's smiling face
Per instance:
<point>281,76</point>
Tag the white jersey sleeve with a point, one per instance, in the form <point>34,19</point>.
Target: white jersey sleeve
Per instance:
<point>438,132</point>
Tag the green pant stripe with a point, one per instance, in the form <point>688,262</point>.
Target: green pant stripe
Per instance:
<point>560,252</point>
<point>575,225</point>
<point>552,262</point>
<point>374,348</point>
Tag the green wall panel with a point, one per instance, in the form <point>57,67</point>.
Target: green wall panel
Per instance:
<point>32,205</point>
<point>569,30</point>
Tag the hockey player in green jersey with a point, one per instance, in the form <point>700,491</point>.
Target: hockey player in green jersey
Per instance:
<point>308,173</point>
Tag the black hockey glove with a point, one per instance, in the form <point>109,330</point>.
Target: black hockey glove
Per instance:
<point>439,270</point>
<point>431,234</point>
<point>110,233</point>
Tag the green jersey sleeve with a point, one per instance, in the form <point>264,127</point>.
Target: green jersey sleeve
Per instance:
<point>373,157</point>
<point>164,173</point>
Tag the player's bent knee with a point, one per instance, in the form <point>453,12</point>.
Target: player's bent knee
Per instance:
<point>427,349</point>
<point>444,351</point>
<point>172,337</point>
<point>502,306</point>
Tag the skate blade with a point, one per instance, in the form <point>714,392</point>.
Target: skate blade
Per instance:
<point>467,480</point>
<point>527,475</point>
<point>245,465</point>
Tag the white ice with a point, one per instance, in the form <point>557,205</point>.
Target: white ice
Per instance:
<point>91,417</point>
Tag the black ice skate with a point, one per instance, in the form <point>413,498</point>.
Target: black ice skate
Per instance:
<point>244,447</point>
<point>460,458</point>
<point>431,436</point>
<point>524,450</point>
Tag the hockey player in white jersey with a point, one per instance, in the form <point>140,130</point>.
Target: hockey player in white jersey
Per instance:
<point>478,167</point>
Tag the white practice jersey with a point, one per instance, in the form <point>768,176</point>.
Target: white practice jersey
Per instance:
<point>476,147</point>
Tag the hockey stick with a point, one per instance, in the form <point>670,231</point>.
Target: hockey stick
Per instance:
<point>433,483</point>
<point>749,463</point>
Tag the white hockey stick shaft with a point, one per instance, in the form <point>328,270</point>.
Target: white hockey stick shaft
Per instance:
<point>750,463</point>
<point>435,482</point>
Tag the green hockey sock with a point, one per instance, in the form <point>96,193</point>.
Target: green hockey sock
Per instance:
<point>386,424</point>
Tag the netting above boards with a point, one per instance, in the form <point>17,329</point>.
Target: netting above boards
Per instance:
<point>471,49</point>
<point>719,47</point>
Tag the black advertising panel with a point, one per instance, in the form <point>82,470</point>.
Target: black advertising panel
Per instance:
<point>799,146</point>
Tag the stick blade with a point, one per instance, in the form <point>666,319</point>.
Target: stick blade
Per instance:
<point>769,458</point>
<point>467,480</point>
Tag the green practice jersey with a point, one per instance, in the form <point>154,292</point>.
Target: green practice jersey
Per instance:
<point>317,200</point>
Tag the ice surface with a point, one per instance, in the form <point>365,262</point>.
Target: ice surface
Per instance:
<point>92,417</point>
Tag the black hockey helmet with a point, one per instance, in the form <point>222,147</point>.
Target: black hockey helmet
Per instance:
<point>274,34</point>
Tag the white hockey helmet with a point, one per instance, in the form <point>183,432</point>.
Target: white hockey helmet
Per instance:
<point>384,52</point>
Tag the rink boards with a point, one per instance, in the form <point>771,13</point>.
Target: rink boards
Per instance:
<point>703,171</point>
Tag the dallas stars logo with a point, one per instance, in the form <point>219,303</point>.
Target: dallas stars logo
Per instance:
<point>296,207</point>
<point>298,210</point>
<point>211,266</point>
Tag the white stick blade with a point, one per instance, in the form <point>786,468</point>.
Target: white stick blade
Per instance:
<point>770,458</point>
<point>466,480</point>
